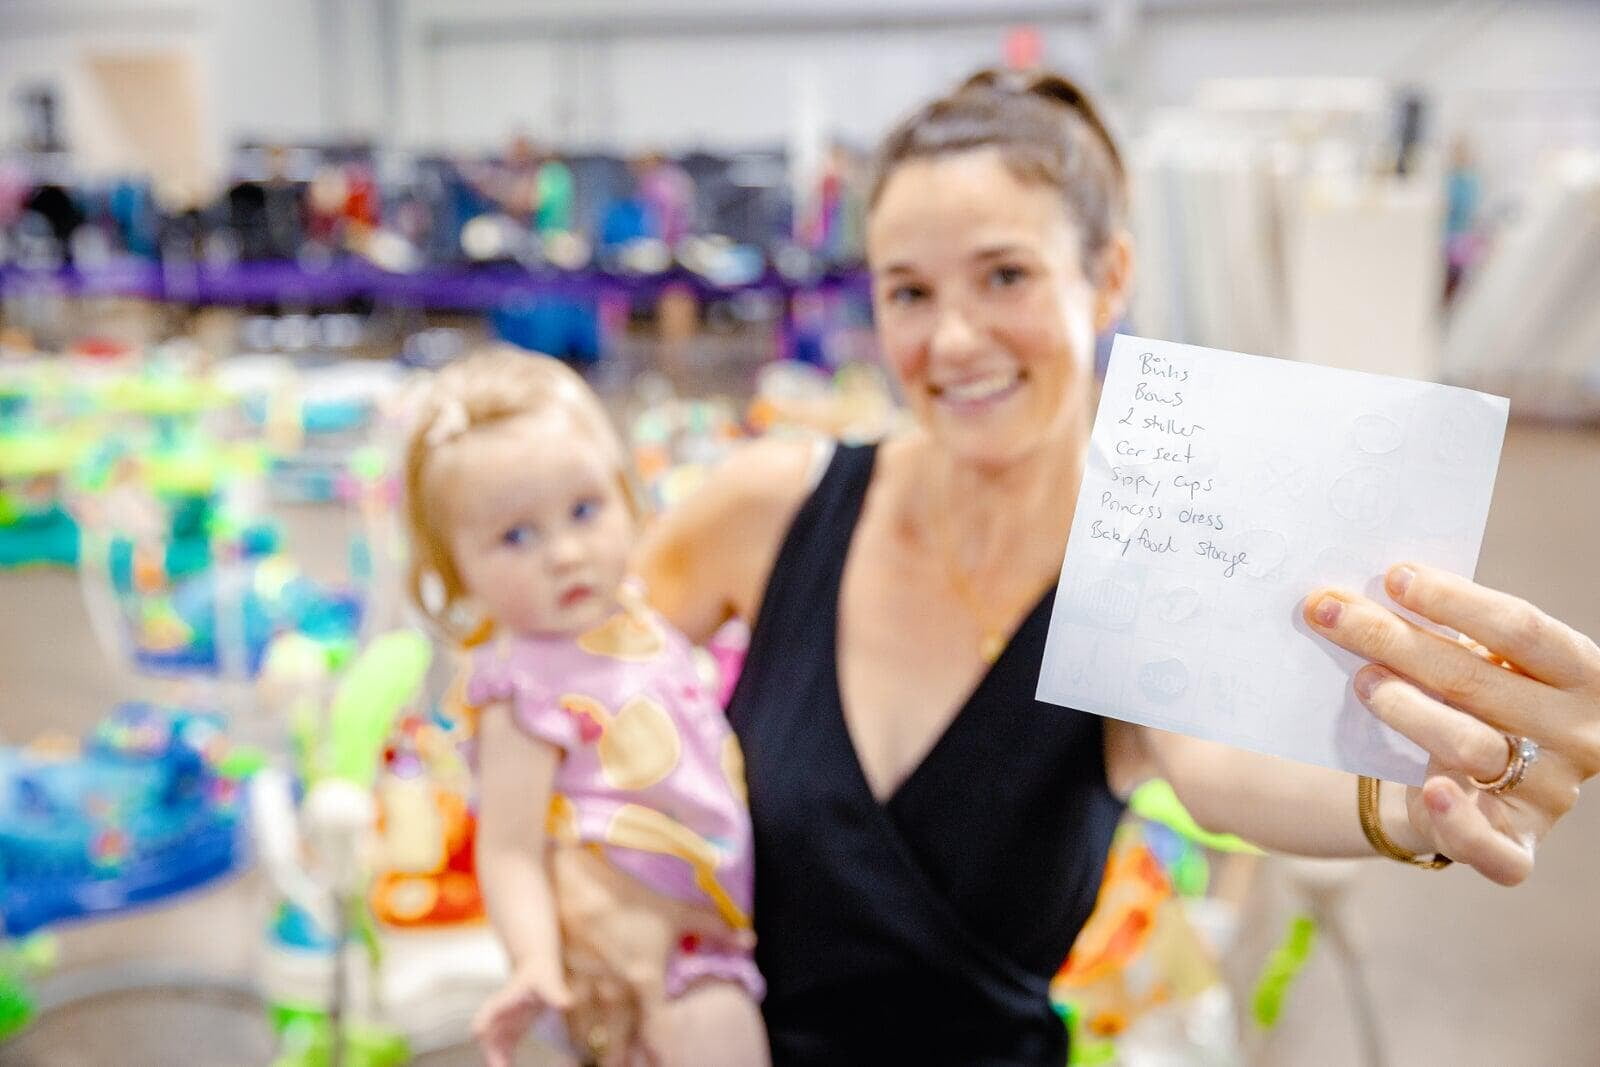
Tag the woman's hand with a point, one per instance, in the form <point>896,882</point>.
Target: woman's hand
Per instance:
<point>504,1019</point>
<point>619,937</point>
<point>1531,676</point>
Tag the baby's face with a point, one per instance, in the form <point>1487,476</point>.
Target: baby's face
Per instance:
<point>540,529</point>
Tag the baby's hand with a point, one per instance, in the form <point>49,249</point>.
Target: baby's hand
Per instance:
<point>505,1017</point>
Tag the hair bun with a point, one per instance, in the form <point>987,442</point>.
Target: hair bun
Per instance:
<point>1046,130</point>
<point>1061,90</point>
<point>1043,83</point>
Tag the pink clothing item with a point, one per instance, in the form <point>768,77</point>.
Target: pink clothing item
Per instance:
<point>650,768</point>
<point>727,648</point>
<point>694,965</point>
<point>669,191</point>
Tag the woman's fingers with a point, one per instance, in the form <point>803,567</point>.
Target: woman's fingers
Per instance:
<point>1455,703</point>
<point>1510,701</point>
<point>1461,743</point>
<point>1453,738</point>
<point>1508,626</point>
<point>1464,833</point>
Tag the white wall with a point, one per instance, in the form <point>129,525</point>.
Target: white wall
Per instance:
<point>662,73</point>
<point>269,76</point>
<point>684,73</point>
<point>267,69</point>
<point>631,74</point>
<point>45,43</point>
<point>1518,77</point>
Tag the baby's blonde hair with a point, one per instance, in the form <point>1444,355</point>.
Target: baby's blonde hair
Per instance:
<point>486,387</point>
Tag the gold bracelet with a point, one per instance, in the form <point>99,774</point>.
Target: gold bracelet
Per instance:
<point>1367,808</point>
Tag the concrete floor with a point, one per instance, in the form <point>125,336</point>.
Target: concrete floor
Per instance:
<point>1464,973</point>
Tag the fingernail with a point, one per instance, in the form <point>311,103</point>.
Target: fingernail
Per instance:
<point>1400,580</point>
<point>1326,613</point>
<point>1367,680</point>
<point>1438,801</point>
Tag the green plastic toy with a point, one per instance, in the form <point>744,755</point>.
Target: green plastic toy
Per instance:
<point>1281,969</point>
<point>31,533</point>
<point>335,752</point>
<point>372,692</point>
<point>18,961</point>
<point>1155,800</point>
<point>307,1041</point>
<point>162,395</point>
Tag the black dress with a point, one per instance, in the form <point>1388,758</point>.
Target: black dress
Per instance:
<point>924,929</point>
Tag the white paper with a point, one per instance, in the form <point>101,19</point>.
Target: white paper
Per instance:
<point>1222,488</point>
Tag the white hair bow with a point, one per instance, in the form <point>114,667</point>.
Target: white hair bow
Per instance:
<point>450,423</point>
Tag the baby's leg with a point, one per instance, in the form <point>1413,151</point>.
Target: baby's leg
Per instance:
<point>713,1024</point>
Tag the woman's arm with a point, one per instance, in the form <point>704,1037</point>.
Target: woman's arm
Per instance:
<point>516,775</point>
<point>707,559</point>
<point>1276,803</point>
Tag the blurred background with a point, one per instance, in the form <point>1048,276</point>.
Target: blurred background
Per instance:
<point>234,235</point>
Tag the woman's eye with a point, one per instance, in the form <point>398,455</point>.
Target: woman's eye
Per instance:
<point>907,294</point>
<point>520,535</point>
<point>1008,275</point>
<point>586,509</point>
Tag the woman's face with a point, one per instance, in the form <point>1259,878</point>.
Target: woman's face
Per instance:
<point>983,308</point>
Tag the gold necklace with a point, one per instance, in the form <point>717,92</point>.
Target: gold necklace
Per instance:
<point>991,639</point>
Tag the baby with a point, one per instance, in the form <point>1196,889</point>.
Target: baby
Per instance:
<point>594,729</point>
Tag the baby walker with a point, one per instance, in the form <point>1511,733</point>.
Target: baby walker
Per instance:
<point>377,950</point>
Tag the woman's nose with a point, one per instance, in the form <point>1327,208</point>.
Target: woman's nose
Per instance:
<point>954,334</point>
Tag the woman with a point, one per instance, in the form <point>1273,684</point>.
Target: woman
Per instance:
<point>929,838</point>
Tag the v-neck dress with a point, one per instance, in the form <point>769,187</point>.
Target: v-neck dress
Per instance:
<point>926,928</point>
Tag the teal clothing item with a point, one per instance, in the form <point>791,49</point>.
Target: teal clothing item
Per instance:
<point>554,213</point>
<point>1461,201</point>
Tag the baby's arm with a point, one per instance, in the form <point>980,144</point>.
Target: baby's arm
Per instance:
<point>516,776</point>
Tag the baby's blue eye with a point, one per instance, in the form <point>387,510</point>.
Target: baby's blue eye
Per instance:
<point>586,509</point>
<point>517,536</point>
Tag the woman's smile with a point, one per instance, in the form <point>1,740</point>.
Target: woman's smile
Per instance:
<point>974,395</point>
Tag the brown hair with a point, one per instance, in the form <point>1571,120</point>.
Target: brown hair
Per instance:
<point>484,388</point>
<point>1046,131</point>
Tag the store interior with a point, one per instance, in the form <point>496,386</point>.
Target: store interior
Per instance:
<point>237,238</point>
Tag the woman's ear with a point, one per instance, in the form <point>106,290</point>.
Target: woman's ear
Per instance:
<point>1115,281</point>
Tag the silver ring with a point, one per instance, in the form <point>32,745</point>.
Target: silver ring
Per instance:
<point>1522,753</point>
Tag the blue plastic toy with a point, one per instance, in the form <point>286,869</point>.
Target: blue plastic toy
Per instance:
<point>272,597</point>
<point>147,806</point>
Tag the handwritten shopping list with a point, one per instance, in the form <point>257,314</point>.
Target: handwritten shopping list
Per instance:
<point>1222,488</point>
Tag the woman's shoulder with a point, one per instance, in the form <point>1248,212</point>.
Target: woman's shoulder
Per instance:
<point>751,495</point>
<point>709,556</point>
<point>773,474</point>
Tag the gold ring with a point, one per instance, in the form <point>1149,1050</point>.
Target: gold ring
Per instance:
<point>1522,753</point>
